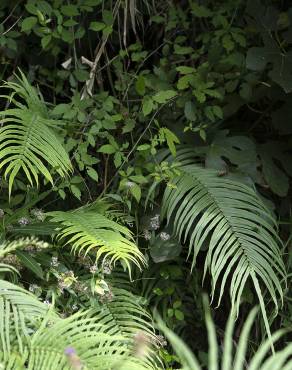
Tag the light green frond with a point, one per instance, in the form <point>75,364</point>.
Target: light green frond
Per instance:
<point>94,344</point>
<point>7,247</point>
<point>185,355</point>
<point>19,311</point>
<point>90,231</point>
<point>234,355</point>
<point>27,138</point>
<point>15,361</point>
<point>238,229</point>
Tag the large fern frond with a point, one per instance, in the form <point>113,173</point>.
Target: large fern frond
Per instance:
<point>19,311</point>
<point>234,357</point>
<point>124,315</point>
<point>100,338</point>
<point>88,230</point>
<point>27,138</point>
<point>82,339</point>
<point>9,246</point>
<point>237,227</point>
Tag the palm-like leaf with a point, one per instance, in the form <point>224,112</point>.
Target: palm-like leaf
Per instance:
<point>238,228</point>
<point>91,344</point>
<point>124,315</point>
<point>100,338</point>
<point>261,360</point>
<point>88,230</point>
<point>7,247</point>
<point>19,311</point>
<point>27,138</point>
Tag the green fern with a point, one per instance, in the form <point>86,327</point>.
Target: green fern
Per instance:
<point>261,360</point>
<point>102,338</point>
<point>19,311</point>
<point>92,343</point>
<point>239,230</point>
<point>28,141</point>
<point>6,247</point>
<point>88,230</point>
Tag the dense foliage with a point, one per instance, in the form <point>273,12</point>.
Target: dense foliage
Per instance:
<point>145,162</point>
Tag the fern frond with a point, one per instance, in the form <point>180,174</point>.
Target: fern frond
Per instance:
<point>7,247</point>
<point>19,311</point>
<point>87,231</point>
<point>232,358</point>
<point>27,138</point>
<point>239,230</point>
<point>89,336</point>
<point>124,315</point>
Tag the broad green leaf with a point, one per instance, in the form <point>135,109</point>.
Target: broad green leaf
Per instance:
<point>171,139</point>
<point>30,263</point>
<point>185,70</point>
<point>46,40</point>
<point>140,85</point>
<point>200,11</point>
<point>28,23</point>
<point>190,111</point>
<point>256,59</point>
<point>135,190</point>
<point>92,173</point>
<point>147,105</point>
<point>275,177</point>
<point>163,96</point>
<point>182,50</point>
<point>70,10</point>
<point>96,26</point>
<point>76,191</point>
<point>107,149</point>
<point>165,247</point>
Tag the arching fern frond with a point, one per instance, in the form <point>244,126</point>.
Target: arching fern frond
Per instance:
<point>19,311</point>
<point>237,227</point>
<point>87,231</point>
<point>81,339</point>
<point>124,315</point>
<point>9,246</point>
<point>99,338</point>
<point>28,141</point>
<point>233,357</point>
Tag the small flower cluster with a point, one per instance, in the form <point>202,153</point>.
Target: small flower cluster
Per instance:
<point>12,260</point>
<point>155,222</point>
<point>66,280</point>
<point>54,262</point>
<point>23,221</point>
<point>160,341</point>
<point>33,288</point>
<point>34,245</point>
<point>106,297</point>
<point>38,214</point>
<point>147,234</point>
<point>93,269</point>
<point>80,287</point>
<point>106,267</point>
<point>164,236</point>
<point>130,184</point>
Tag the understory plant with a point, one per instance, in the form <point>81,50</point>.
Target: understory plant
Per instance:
<point>145,163</point>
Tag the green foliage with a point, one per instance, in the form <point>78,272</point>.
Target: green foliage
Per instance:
<point>259,361</point>
<point>28,139</point>
<point>88,230</point>
<point>239,228</point>
<point>148,146</point>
